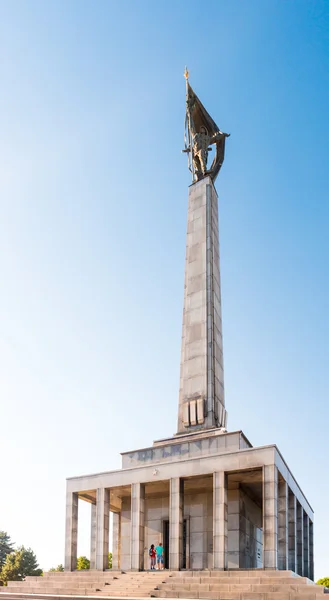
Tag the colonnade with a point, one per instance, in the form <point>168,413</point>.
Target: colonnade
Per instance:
<point>287,528</point>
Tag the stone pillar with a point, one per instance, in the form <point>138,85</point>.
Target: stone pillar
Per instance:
<point>71,531</point>
<point>102,528</point>
<point>283,510</point>
<point>176,512</point>
<point>292,563</point>
<point>201,394</point>
<point>311,538</point>
<point>93,536</point>
<point>137,526</point>
<point>220,529</point>
<point>233,542</point>
<point>306,544</point>
<point>116,541</point>
<point>300,540</point>
<point>270,516</point>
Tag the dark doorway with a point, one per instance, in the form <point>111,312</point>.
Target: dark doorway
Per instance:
<point>166,543</point>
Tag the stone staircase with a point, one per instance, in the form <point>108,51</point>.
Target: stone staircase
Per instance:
<point>238,585</point>
<point>214,585</point>
<point>86,583</point>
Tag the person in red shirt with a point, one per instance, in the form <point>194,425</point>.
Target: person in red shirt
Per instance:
<point>152,556</point>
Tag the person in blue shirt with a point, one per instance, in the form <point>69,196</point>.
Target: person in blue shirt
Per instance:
<point>159,553</point>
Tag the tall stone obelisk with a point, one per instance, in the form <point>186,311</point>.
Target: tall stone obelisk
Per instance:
<point>201,394</point>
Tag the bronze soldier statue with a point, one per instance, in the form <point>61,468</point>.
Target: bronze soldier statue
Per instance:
<point>201,133</point>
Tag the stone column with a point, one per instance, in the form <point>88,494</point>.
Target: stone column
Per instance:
<point>270,516</point>
<point>71,531</point>
<point>116,541</point>
<point>306,544</point>
<point>93,537</point>
<point>102,528</point>
<point>220,530</point>
<point>300,540</point>
<point>176,512</point>
<point>137,526</point>
<point>311,537</point>
<point>292,563</point>
<point>283,526</point>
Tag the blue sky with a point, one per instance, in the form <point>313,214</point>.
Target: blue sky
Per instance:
<point>93,205</point>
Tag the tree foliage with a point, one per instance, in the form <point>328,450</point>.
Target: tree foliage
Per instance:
<point>59,568</point>
<point>324,581</point>
<point>110,560</point>
<point>6,547</point>
<point>19,564</point>
<point>83,563</point>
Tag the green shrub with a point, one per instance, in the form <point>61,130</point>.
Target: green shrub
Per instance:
<point>59,568</point>
<point>19,564</point>
<point>83,563</point>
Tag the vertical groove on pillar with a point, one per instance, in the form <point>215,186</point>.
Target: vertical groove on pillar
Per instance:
<point>93,536</point>
<point>102,528</point>
<point>300,540</point>
<point>283,510</point>
<point>137,526</point>
<point>71,531</point>
<point>270,516</point>
<point>176,512</point>
<point>220,527</point>
<point>292,563</point>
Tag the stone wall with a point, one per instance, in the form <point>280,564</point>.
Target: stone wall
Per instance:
<point>245,536</point>
<point>198,510</point>
<point>233,526</point>
<point>172,452</point>
<point>251,534</point>
<point>156,511</point>
<point>244,529</point>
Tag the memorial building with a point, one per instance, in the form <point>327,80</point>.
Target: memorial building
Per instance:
<point>212,499</point>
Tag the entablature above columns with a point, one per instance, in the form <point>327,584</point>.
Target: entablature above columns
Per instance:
<point>232,461</point>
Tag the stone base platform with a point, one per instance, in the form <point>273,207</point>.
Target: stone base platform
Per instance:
<point>215,585</point>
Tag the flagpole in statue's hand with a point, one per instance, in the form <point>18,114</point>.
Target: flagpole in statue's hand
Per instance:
<point>189,146</point>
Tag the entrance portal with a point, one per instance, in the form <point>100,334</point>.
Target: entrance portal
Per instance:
<point>166,543</point>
